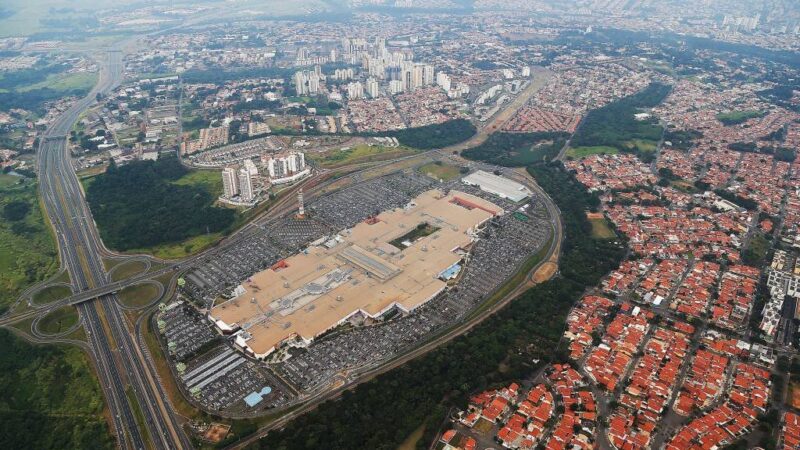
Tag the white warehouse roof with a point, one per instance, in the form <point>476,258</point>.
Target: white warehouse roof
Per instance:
<point>497,185</point>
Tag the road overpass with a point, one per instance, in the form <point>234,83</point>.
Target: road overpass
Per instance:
<point>140,412</point>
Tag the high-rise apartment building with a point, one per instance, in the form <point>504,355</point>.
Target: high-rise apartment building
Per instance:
<point>373,90</point>
<point>246,191</point>
<point>230,182</point>
<point>355,90</point>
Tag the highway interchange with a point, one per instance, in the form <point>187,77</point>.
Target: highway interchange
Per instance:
<point>117,357</point>
<point>140,410</point>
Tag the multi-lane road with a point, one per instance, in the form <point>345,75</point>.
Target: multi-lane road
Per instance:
<point>141,415</point>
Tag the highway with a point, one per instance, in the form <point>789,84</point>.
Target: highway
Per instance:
<point>141,415</point>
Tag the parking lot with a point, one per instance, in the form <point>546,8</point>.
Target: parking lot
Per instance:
<point>503,245</point>
<point>213,373</point>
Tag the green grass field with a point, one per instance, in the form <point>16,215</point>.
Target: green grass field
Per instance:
<point>642,145</point>
<point>444,172</point>
<point>582,152</point>
<point>59,320</point>
<point>181,249</point>
<point>51,294</point>
<point>27,251</point>
<point>64,82</point>
<point>127,269</point>
<point>138,295</point>
<point>601,229</point>
<point>357,154</point>
<point>211,180</point>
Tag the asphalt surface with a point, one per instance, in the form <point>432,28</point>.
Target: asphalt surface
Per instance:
<point>141,415</point>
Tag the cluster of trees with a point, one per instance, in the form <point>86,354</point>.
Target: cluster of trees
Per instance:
<point>257,104</point>
<point>12,97</point>
<point>614,124</point>
<point>518,149</point>
<point>738,117</point>
<point>35,98</point>
<point>746,203</point>
<point>381,413</point>
<point>221,76</point>
<point>781,95</point>
<point>138,205</point>
<point>437,135</point>
<point>16,210</point>
<point>682,140</point>
<point>782,153</point>
<point>49,398</point>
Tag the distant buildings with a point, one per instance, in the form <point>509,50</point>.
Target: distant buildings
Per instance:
<point>373,89</point>
<point>355,90</point>
<point>214,137</point>
<point>209,138</point>
<point>257,128</point>
<point>306,82</point>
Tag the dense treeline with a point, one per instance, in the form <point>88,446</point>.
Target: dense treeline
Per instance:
<point>680,139</point>
<point>738,117</point>
<point>49,398</point>
<point>437,135</point>
<point>138,206</point>
<point>11,82</point>
<point>381,413</point>
<point>222,76</point>
<point>34,99</point>
<point>14,79</point>
<point>614,124</point>
<point>746,203</point>
<point>518,149</point>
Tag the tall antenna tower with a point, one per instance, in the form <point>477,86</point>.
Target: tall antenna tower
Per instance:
<point>301,211</point>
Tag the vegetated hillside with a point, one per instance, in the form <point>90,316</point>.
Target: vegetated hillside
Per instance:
<point>435,136</point>
<point>139,205</point>
<point>27,251</point>
<point>30,88</point>
<point>614,124</point>
<point>381,413</point>
<point>518,149</point>
<point>49,398</point>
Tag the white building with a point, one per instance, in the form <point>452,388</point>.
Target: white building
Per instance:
<point>287,167</point>
<point>443,80</point>
<point>355,90</point>
<point>246,191</point>
<point>250,167</point>
<point>497,185</point>
<point>306,82</point>
<point>373,90</point>
<point>230,182</point>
